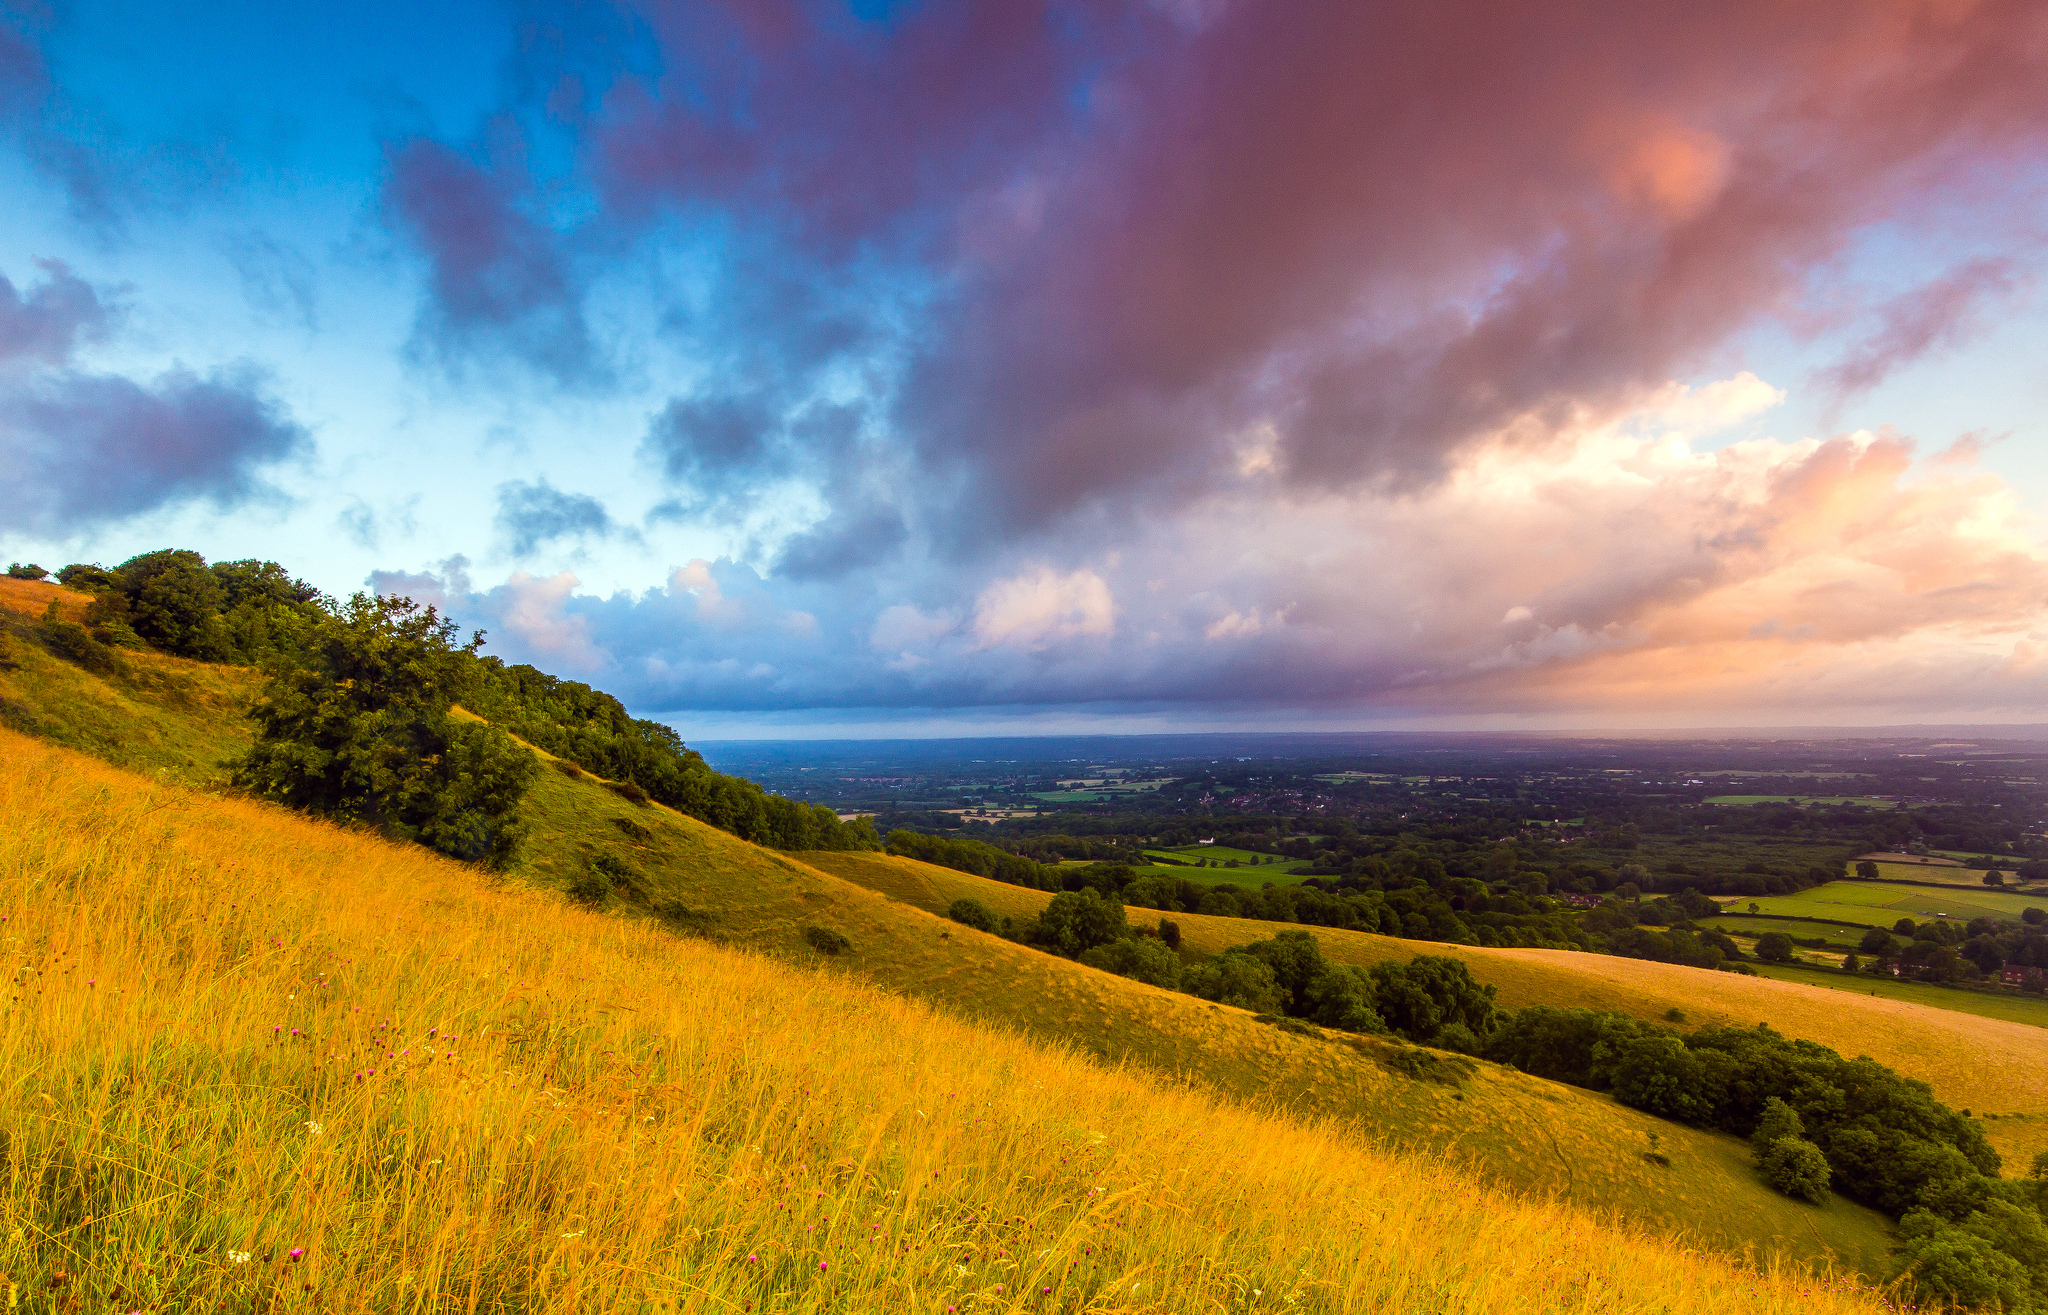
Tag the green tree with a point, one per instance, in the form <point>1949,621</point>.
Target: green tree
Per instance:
<point>173,603</point>
<point>16,571</point>
<point>1417,1000</point>
<point>1774,947</point>
<point>1078,920</point>
<point>1235,979</point>
<point>1994,877</point>
<point>1867,870</point>
<point>1877,941</point>
<point>357,724</point>
<point>1797,1168</point>
<point>1949,1263</point>
<point>972,913</point>
<point>1139,957</point>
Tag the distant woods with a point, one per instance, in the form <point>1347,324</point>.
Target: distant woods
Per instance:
<point>358,714</point>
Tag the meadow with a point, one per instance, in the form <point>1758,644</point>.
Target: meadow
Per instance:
<point>1873,904</point>
<point>262,1063</point>
<point>1942,874</point>
<point>1842,937</point>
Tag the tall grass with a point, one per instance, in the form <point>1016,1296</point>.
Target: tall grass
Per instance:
<point>257,1063</point>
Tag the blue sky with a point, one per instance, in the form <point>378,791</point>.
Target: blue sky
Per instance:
<point>790,367</point>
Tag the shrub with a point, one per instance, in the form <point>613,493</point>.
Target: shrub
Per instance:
<point>1797,1168</point>
<point>566,768</point>
<point>1078,920</point>
<point>356,725</point>
<point>1137,957</point>
<point>1234,979</point>
<point>826,941</point>
<point>972,913</point>
<point>1774,947</point>
<point>628,791</point>
<point>588,887</point>
<point>16,571</point>
<point>1169,932</point>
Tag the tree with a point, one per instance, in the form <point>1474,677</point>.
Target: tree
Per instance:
<point>1234,979</point>
<point>357,724</point>
<point>16,571</point>
<point>1867,870</point>
<point>972,913</point>
<point>1138,957</point>
<point>1429,993</point>
<point>1851,964</point>
<point>1797,1168</point>
<point>173,603</point>
<point>1755,908</point>
<point>1905,927</point>
<point>1774,947</point>
<point>1993,877</point>
<point>1078,920</point>
<point>1877,941</point>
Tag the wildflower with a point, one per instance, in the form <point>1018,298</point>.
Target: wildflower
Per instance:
<point>238,1257</point>
<point>295,1255</point>
<point>314,1127</point>
<point>821,1267</point>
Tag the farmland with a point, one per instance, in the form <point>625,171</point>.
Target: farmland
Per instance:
<point>1804,801</point>
<point>1872,904</point>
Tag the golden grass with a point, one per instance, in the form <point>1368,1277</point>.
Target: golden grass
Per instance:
<point>1986,1065</point>
<point>560,1111</point>
<point>1505,1127</point>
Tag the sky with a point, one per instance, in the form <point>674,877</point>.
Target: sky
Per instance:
<point>856,367</point>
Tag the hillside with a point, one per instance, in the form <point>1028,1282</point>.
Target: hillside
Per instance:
<point>262,1062</point>
<point>704,882</point>
<point>1987,1065</point>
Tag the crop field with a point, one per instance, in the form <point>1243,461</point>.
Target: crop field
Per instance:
<point>1742,800</point>
<point>1875,904</point>
<point>264,1063</point>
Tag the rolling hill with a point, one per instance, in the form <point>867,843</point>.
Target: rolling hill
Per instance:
<point>1987,1065</point>
<point>261,1062</point>
<point>176,719</point>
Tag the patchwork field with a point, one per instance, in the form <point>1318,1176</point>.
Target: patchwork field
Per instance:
<point>1842,936</point>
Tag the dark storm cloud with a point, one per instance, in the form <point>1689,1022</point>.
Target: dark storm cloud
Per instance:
<point>497,282</point>
<point>82,449</point>
<point>86,449</point>
<point>531,515</point>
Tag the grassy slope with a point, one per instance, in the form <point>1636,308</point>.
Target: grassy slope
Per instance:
<point>254,1062</point>
<point>1591,1151</point>
<point>1984,1064</point>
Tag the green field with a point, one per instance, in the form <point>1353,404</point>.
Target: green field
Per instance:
<point>1873,904</point>
<point>1940,873</point>
<point>2031,1010</point>
<point>1740,800</point>
<point>1844,936</point>
<point>1224,853</point>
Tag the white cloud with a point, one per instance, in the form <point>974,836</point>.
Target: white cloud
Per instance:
<point>1043,607</point>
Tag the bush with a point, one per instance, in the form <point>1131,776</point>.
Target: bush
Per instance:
<point>16,571</point>
<point>1797,1168</point>
<point>1076,921</point>
<point>1234,979</point>
<point>1138,957</point>
<point>357,725</point>
<point>1774,947</point>
<point>972,913</point>
<point>826,941</point>
<point>589,888</point>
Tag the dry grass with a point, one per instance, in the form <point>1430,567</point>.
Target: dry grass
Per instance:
<point>1982,1064</point>
<point>393,1087</point>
